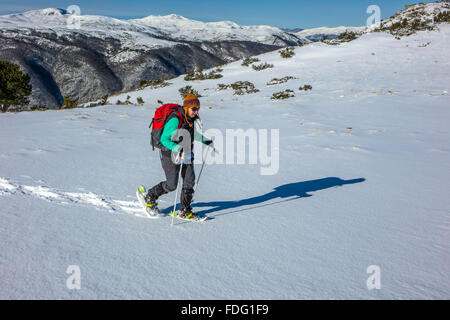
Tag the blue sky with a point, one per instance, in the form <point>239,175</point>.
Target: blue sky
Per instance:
<point>279,13</point>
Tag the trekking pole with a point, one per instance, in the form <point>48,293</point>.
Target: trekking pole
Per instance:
<point>176,195</point>
<point>203,164</point>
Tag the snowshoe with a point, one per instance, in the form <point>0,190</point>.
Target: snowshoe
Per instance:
<point>184,214</point>
<point>150,206</point>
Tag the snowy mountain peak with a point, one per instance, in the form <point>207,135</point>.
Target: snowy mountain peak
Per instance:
<point>176,16</point>
<point>180,27</point>
<point>51,11</point>
<point>172,26</point>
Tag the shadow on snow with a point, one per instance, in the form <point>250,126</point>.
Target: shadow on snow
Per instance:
<point>296,190</point>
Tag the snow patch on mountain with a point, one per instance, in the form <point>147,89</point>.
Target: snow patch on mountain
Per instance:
<point>315,34</point>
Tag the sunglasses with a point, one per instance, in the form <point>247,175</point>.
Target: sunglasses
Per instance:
<point>195,108</point>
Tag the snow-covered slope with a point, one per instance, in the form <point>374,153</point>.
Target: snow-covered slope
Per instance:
<point>315,34</point>
<point>363,180</point>
<point>416,17</point>
<point>425,13</point>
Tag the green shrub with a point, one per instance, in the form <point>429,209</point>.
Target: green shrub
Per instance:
<point>279,81</point>
<point>288,93</point>
<point>199,75</point>
<point>262,66</point>
<point>15,87</point>
<point>239,87</point>
<point>139,100</point>
<point>153,84</point>
<point>104,100</point>
<point>214,74</point>
<point>243,87</point>
<point>306,87</point>
<point>248,61</point>
<point>186,90</point>
<point>347,36</point>
<point>69,104</point>
<point>442,17</point>
<point>287,52</point>
<point>126,102</point>
<point>222,86</point>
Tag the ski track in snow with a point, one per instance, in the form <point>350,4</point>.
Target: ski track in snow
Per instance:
<point>103,203</point>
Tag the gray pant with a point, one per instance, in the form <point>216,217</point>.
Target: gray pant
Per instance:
<point>172,170</point>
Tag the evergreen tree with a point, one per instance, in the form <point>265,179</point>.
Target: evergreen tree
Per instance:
<point>15,86</point>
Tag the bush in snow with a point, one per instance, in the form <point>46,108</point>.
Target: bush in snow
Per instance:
<point>139,100</point>
<point>199,75</point>
<point>104,100</point>
<point>243,87</point>
<point>69,104</point>
<point>288,93</point>
<point>248,61</point>
<point>347,36</point>
<point>287,52</point>
<point>126,102</point>
<point>306,87</point>
<point>262,66</point>
<point>186,90</point>
<point>442,17</point>
<point>279,81</point>
<point>239,87</point>
<point>153,84</point>
<point>214,74</point>
<point>222,86</point>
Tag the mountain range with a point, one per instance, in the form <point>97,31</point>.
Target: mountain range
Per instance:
<point>82,58</point>
<point>85,57</point>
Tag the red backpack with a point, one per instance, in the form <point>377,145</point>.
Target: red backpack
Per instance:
<point>160,119</point>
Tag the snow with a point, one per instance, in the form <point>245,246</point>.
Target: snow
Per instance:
<point>316,33</point>
<point>145,33</point>
<point>363,180</point>
<point>182,28</point>
<point>62,23</point>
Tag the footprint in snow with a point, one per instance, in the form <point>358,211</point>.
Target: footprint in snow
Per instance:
<point>60,197</point>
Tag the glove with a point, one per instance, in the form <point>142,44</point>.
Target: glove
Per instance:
<point>179,158</point>
<point>209,143</point>
<point>188,156</point>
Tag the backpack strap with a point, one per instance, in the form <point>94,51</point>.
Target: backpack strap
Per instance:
<point>177,112</point>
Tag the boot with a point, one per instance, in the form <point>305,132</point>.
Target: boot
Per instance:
<point>186,199</point>
<point>152,195</point>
